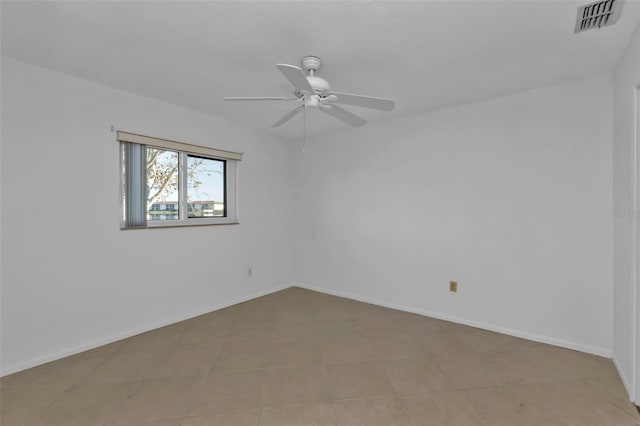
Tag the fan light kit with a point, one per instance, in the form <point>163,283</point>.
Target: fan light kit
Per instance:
<point>313,91</point>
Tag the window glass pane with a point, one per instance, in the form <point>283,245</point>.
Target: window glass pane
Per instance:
<point>162,184</point>
<point>205,187</point>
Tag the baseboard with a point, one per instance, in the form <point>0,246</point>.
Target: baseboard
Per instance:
<point>485,326</point>
<point>100,342</point>
<point>114,338</point>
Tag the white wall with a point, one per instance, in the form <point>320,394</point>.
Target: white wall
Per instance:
<point>508,197</point>
<point>625,200</point>
<point>70,278</point>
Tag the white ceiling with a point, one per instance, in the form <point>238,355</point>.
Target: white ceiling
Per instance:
<point>425,55</point>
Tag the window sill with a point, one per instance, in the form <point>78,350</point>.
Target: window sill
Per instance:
<point>175,225</point>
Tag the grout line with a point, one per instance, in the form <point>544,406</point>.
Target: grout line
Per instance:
<point>262,398</point>
<point>260,414</point>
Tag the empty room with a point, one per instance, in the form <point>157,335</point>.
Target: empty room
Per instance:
<point>314,213</point>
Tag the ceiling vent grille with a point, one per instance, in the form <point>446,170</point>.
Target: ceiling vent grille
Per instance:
<point>597,14</point>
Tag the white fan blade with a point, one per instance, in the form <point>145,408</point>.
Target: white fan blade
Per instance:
<point>363,101</point>
<point>262,98</point>
<point>344,115</point>
<point>288,117</point>
<point>296,76</point>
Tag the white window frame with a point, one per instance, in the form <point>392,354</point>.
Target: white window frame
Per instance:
<point>184,150</point>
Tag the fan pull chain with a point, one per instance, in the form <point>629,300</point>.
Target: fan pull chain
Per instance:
<point>304,129</point>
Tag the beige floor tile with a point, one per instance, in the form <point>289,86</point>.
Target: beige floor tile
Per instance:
<point>470,369</point>
<point>159,422</point>
<point>289,354</point>
<point>205,333</point>
<point>299,415</point>
<point>295,385</point>
<point>554,363</point>
<point>337,328</point>
<point>331,310</point>
<point>293,331</point>
<point>441,341</point>
<point>295,312</point>
<point>573,403</point>
<point>243,356</point>
<point>125,365</point>
<point>491,406</point>
<point>358,380</point>
<point>381,326</point>
<point>517,366</point>
<point>499,406</point>
<point>245,418</point>
<point>346,349</point>
<point>226,392</point>
<point>186,360</point>
<point>254,315</point>
<point>611,389</point>
<point>30,377</point>
<point>85,405</point>
<point>19,405</point>
<point>390,346</point>
<point>157,399</point>
<point>371,412</point>
<point>440,409</point>
<point>251,331</point>
<point>416,375</point>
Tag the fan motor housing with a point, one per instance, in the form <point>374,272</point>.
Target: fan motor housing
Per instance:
<point>320,85</point>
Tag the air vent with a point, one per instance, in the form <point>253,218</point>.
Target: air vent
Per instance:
<point>598,14</point>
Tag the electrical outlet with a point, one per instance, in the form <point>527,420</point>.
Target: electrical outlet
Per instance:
<point>249,272</point>
<point>453,286</point>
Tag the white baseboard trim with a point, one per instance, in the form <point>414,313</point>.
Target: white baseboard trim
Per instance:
<point>517,333</point>
<point>114,338</point>
<point>607,353</point>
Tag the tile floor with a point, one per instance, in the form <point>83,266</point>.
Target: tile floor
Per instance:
<point>302,358</point>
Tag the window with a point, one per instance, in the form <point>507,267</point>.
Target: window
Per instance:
<point>167,183</point>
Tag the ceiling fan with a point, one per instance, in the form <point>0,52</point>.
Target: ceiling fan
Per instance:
<point>313,91</point>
